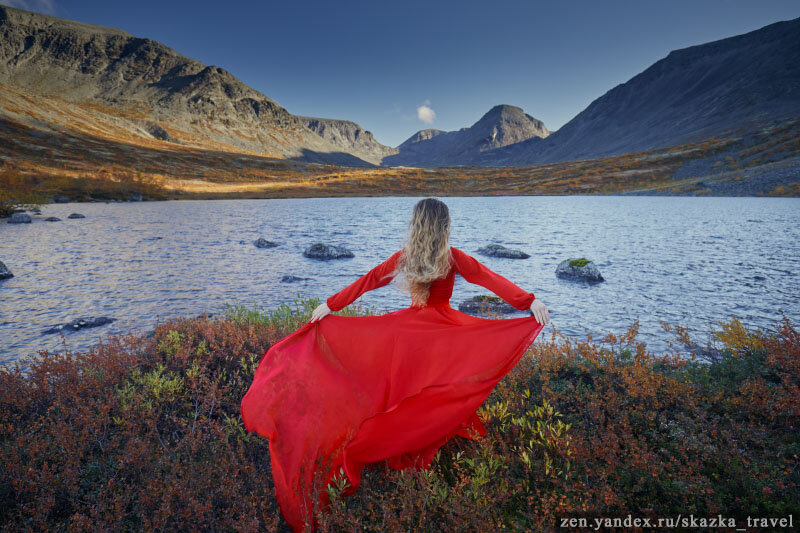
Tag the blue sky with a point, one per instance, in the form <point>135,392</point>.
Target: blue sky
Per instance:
<point>378,62</point>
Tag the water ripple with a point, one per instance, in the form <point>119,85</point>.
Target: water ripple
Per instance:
<point>691,261</point>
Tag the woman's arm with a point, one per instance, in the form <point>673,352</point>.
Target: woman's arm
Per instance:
<point>475,272</point>
<point>377,277</point>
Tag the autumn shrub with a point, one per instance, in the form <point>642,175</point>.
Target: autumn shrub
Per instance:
<point>140,432</point>
<point>27,190</point>
<point>143,432</point>
<point>588,429</point>
<point>16,193</point>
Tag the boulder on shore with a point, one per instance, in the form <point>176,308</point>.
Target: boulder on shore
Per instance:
<point>498,250</point>
<point>61,199</point>
<point>326,252</point>
<point>76,215</point>
<point>579,270</point>
<point>20,218</point>
<point>483,303</point>
<point>261,242</point>
<point>5,273</point>
<point>81,323</point>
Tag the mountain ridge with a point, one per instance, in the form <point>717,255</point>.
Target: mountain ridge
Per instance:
<point>691,94</point>
<point>503,125</point>
<point>58,73</point>
<point>196,104</point>
<point>349,135</point>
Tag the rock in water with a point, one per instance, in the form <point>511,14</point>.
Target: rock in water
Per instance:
<point>5,273</point>
<point>579,269</point>
<point>20,218</point>
<point>291,279</point>
<point>264,243</point>
<point>81,323</point>
<point>61,199</point>
<point>486,304</point>
<point>76,215</point>
<point>326,252</point>
<point>497,250</point>
<point>52,219</point>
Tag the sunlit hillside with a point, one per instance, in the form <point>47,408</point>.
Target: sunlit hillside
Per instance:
<point>92,160</point>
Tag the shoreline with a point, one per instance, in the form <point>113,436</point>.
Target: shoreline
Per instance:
<point>183,198</point>
<point>689,352</point>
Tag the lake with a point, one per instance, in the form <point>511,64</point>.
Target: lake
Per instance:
<point>690,261</point>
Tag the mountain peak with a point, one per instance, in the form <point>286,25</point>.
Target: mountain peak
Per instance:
<point>506,124</point>
<point>504,109</point>
<point>421,136</point>
<point>505,112</point>
<point>500,126</point>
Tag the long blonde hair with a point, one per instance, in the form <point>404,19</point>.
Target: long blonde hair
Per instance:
<point>426,249</point>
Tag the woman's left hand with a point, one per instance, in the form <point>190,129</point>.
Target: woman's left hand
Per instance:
<point>320,312</point>
<point>540,312</point>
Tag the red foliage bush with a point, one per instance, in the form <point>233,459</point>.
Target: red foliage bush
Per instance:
<point>143,432</point>
<point>138,433</point>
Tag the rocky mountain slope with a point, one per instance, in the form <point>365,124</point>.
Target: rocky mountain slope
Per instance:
<point>350,137</point>
<point>144,88</point>
<point>695,93</point>
<point>503,125</point>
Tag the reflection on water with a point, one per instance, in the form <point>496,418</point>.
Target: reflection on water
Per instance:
<point>692,261</point>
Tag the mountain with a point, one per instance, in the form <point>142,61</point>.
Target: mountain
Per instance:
<point>140,88</point>
<point>66,77</point>
<point>501,126</point>
<point>350,137</point>
<point>692,94</point>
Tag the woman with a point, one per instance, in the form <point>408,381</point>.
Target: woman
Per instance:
<point>342,392</point>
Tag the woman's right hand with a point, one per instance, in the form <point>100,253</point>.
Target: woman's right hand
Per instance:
<point>540,312</point>
<point>320,312</point>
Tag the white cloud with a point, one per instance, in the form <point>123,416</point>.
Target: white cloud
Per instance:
<point>425,113</point>
<point>47,7</point>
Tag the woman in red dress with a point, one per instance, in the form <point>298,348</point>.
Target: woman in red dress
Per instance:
<point>342,392</point>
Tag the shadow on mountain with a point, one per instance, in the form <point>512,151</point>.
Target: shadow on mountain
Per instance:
<point>342,159</point>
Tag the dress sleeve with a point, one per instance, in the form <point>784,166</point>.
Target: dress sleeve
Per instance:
<point>377,277</point>
<point>474,272</point>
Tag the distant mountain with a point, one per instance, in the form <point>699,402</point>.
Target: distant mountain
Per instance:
<point>692,94</point>
<point>350,137</point>
<point>146,89</point>
<point>503,125</point>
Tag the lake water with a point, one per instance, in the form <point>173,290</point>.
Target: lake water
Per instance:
<point>689,261</point>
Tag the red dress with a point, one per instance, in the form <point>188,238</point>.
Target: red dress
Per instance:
<point>357,390</point>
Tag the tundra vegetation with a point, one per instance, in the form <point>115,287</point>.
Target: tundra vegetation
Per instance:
<point>579,262</point>
<point>143,432</point>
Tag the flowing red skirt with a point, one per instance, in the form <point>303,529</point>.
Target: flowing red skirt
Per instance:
<point>350,391</point>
